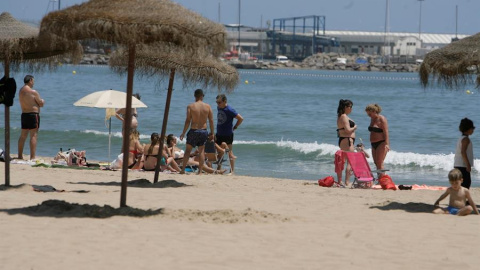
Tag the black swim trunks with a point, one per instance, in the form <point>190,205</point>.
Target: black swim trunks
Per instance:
<point>210,147</point>
<point>30,120</point>
<point>228,139</point>
<point>197,137</point>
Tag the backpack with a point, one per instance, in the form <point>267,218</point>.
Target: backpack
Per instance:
<point>326,182</point>
<point>386,182</point>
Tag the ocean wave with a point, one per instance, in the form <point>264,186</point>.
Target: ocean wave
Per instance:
<point>439,161</point>
<point>117,134</point>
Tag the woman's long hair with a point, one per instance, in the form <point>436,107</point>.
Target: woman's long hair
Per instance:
<point>170,138</point>
<point>342,104</point>
<point>154,138</point>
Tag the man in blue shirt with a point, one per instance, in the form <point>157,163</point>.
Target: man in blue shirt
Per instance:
<point>225,126</point>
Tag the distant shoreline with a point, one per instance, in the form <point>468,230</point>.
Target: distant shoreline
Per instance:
<point>316,62</point>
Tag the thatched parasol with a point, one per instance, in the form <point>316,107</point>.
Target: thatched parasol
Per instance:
<point>453,64</point>
<point>133,22</point>
<point>20,44</point>
<point>162,59</point>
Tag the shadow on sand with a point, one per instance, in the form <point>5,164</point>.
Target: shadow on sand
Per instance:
<point>412,207</point>
<point>62,209</point>
<point>138,183</point>
<point>38,188</point>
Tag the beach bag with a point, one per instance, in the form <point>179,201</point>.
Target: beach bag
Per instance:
<point>326,182</point>
<point>117,163</point>
<point>386,182</point>
<point>8,88</point>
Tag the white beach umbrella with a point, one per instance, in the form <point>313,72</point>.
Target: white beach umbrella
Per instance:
<point>108,99</point>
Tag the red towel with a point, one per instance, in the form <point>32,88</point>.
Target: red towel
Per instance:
<point>339,161</point>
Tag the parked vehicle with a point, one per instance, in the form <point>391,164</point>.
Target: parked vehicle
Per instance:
<point>281,59</point>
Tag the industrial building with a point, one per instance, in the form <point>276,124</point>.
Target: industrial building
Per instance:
<point>300,37</point>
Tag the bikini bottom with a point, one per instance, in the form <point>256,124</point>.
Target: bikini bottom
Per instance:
<point>340,139</point>
<point>375,145</point>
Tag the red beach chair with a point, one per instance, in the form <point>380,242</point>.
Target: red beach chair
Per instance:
<point>361,170</point>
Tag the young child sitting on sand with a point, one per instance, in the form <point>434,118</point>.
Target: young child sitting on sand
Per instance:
<point>458,197</point>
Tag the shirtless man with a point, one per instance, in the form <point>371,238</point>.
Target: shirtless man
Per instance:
<point>197,115</point>
<point>30,102</point>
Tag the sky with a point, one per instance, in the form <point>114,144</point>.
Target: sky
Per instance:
<point>438,16</point>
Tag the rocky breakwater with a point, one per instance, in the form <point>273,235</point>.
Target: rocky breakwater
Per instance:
<point>90,59</point>
<point>333,61</point>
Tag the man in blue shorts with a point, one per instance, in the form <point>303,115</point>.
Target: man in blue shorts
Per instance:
<point>197,115</point>
<point>225,126</point>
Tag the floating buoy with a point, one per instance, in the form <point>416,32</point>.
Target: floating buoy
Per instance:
<point>468,92</point>
<point>74,72</point>
<point>246,81</point>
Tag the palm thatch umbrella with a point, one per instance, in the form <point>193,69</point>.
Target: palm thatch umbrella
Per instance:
<point>164,59</point>
<point>453,65</point>
<point>133,22</point>
<point>20,44</point>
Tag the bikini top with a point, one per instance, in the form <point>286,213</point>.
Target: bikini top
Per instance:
<point>375,129</point>
<point>352,124</point>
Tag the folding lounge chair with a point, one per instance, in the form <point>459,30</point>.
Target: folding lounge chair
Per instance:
<point>212,157</point>
<point>361,170</point>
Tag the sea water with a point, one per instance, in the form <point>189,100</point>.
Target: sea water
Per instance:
<point>290,119</point>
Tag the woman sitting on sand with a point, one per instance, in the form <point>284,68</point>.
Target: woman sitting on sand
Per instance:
<point>150,152</point>
<point>136,150</point>
<point>346,134</point>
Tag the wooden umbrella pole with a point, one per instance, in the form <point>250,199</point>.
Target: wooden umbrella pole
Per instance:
<point>127,124</point>
<point>164,124</point>
<point>7,130</point>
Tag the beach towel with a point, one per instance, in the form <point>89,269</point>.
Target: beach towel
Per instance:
<point>339,161</point>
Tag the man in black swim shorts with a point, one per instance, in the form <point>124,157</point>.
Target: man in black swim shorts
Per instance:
<point>197,115</point>
<point>30,102</point>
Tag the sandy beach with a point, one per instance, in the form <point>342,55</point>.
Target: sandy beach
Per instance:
<point>224,222</point>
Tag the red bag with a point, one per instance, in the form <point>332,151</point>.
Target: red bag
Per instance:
<point>326,182</point>
<point>386,182</point>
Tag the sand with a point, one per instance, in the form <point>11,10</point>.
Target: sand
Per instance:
<point>223,222</point>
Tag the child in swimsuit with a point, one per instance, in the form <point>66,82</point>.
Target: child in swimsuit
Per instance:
<point>458,197</point>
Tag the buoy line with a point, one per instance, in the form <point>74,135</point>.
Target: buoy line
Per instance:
<point>329,75</point>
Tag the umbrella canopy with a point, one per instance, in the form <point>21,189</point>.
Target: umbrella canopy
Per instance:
<point>133,22</point>
<point>454,64</point>
<point>21,44</point>
<point>137,22</point>
<point>159,58</point>
<point>108,99</point>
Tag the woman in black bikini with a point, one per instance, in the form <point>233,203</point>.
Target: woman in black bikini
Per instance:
<point>379,137</point>
<point>150,153</point>
<point>346,134</point>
